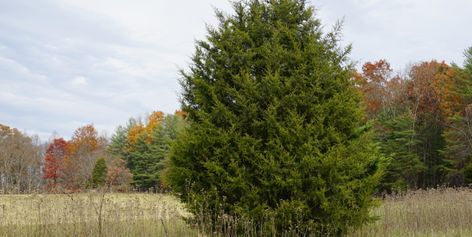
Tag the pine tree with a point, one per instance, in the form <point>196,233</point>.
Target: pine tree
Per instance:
<point>468,174</point>
<point>468,61</point>
<point>144,147</point>
<point>118,141</point>
<point>146,157</point>
<point>99,173</point>
<point>276,131</point>
<point>458,135</point>
<point>397,141</point>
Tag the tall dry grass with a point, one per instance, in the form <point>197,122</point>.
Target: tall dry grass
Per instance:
<point>434,212</point>
<point>441,212</point>
<point>92,214</point>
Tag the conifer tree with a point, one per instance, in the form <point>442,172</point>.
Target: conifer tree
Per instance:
<point>99,173</point>
<point>458,135</point>
<point>276,132</point>
<point>468,61</point>
<point>144,147</point>
<point>397,140</point>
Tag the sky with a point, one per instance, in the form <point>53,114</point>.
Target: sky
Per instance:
<point>68,63</point>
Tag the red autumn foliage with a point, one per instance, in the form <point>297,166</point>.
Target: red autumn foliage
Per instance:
<point>54,161</point>
<point>118,175</point>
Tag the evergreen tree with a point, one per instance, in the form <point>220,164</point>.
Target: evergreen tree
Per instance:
<point>145,147</point>
<point>458,148</point>
<point>468,174</point>
<point>397,140</point>
<point>276,131</point>
<point>429,132</point>
<point>468,62</point>
<point>140,161</point>
<point>458,134</point>
<point>148,156</point>
<point>118,141</point>
<point>99,173</point>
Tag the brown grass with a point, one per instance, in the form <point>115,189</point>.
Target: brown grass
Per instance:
<point>435,212</point>
<point>443,212</point>
<point>92,214</point>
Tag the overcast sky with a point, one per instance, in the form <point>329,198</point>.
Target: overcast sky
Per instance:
<point>67,63</point>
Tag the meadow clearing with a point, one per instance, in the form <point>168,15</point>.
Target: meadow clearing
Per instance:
<point>434,212</point>
<point>443,212</point>
<point>92,214</point>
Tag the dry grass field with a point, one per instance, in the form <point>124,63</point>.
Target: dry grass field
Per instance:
<point>446,212</point>
<point>92,214</point>
<point>442,212</point>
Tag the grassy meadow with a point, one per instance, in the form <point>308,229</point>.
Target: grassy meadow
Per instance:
<point>435,212</point>
<point>444,212</point>
<point>92,214</point>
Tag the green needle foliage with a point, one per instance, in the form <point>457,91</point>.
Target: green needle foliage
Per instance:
<point>276,131</point>
<point>99,173</point>
<point>146,157</point>
<point>397,139</point>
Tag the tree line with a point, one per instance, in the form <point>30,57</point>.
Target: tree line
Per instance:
<point>82,162</point>
<point>422,121</point>
<point>131,159</point>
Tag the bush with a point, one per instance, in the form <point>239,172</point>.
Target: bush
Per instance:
<point>276,134</point>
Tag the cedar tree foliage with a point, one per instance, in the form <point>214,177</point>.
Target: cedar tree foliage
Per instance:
<point>276,131</point>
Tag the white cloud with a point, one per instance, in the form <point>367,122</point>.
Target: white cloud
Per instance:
<point>79,81</point>
<point>9,66</point>
<point>402,31</point>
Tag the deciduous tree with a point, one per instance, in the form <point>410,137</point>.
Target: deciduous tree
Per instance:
<point>85,147</point>
<point>53,169</point>
<point>20,161</point>
<point>119,176</point>
<point>373,84</point>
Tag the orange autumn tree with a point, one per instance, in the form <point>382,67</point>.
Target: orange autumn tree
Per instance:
<point>154,119</point>
<point>134,131</point>
<point>181,114</point>
<point>373,82</point>
<point>84,148</point>
<point>432,90</point>
<point>137,130</point>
